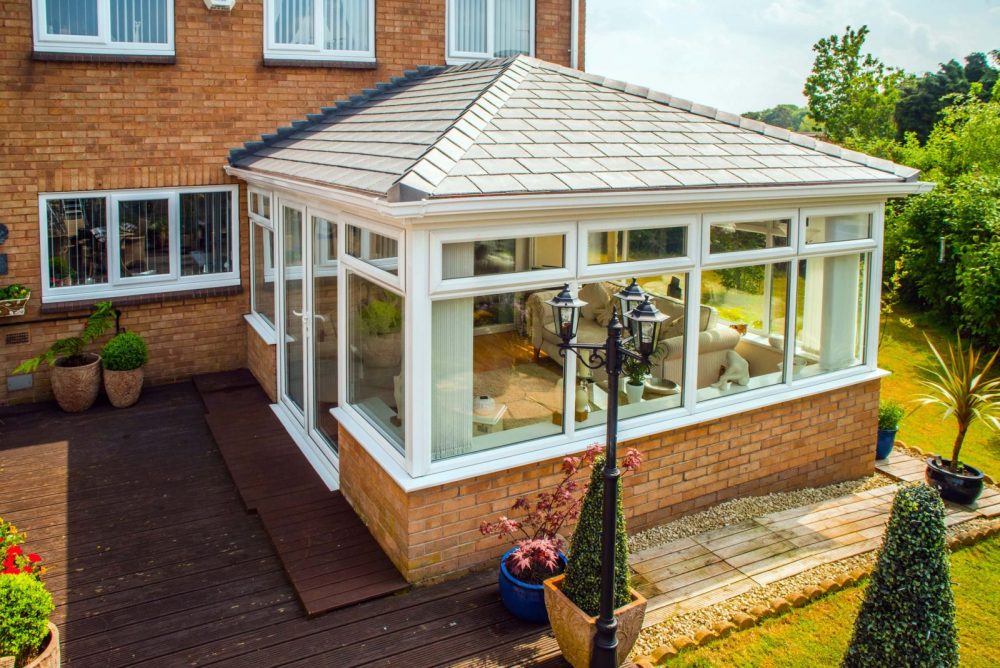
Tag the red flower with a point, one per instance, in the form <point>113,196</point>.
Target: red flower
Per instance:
<point>26,569</point>
<point>34,558</point>
<point>10,570</point>
<point>8,562</point>
<point>14,549</point>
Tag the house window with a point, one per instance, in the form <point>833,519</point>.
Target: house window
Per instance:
<point>502,256</point>
<point>262,269</point>
<point>135,242</point>
<point>140,27</point>
<point>480,29</point>
<point>320,29</point>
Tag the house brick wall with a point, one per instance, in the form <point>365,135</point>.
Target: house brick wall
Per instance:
<point>807,442</point>
<point>77,126</point>
<point>262,360</point>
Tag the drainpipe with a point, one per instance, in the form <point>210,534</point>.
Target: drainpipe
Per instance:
<point>574,37</point>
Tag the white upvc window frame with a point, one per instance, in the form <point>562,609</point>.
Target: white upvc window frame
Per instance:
<point>376,269</point>
<point>315,51</point>
<point>832,247</point>
<point>264,327</point>
<point>456,57</point>
<point>100,43</point>
<point>684,262</point>
<point>117,286</point>
<point>757,256</point>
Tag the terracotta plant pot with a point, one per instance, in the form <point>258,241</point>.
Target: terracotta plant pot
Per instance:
<point>575,630</point>
<point>76,387</point>
<point>123,387</point>
<point>50,656</point>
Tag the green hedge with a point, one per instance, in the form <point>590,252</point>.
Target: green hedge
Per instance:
<point>25,606</point>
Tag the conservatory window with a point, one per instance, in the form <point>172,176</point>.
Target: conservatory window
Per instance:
<point>616,246</point>
<point>262,270</point>
<point>480,29</point>
<point>502,256</point>
<point>833,228</point>
<point>112,26</point>
<point>741,236</point>
<point>377,250</point>
<point>321,29</point>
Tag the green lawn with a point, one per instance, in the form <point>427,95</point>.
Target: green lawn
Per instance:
<point>903,350</point>
<point>817,635</point>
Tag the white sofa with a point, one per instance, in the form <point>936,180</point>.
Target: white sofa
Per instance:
<point>714,339</point>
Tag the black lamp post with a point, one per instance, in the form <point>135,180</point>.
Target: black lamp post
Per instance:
<point>644,322</point>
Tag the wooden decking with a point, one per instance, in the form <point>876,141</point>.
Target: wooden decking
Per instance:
<point>330,557</point>
<point>154,560</point>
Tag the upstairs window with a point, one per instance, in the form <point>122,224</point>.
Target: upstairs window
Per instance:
<point>320,30</point>
<point>481,29</point>
<point>130,27</point>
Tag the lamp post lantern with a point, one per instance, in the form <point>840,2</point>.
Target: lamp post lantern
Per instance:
<point>643,320</point>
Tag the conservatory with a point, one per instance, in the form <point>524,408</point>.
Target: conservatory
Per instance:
<point>404,245</point>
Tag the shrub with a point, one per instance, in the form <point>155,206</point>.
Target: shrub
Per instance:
<point>908,615</point>
<point>381,317</point>
<point>583,568</point>
<point>25,607</point>
<point>889,414</point>
<point>124,352</point>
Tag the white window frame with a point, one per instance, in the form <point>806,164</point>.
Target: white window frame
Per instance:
<point>376,270</point>
<point>314,51</point>
<point>684,262</point>
<point>757,256</point>
<point>834,247</point>
<point>117,286</point>
<point>100,43</point>
<point>456,57</point>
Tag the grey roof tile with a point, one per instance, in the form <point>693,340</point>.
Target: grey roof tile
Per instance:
<point>540,182</point>
<point>542,165</point>
<point>581,181</point>
<point>501,166</point>
<point>497,183</point>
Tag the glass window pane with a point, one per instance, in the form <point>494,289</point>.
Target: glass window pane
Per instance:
<point>144,235</point>
<point>71,17</point>
<point>142,21</point>
<point>293,22</point>
<point>77,239</point>
<point>375,249</point>
<point>293,306</point>
<point>612,246</point>
<point>831,314</point>
<point>470,25</point>
<point>205,226</point>
<point>512,27</point>
<point>660,382</point>
<point>749,235</point>
<point>741,316</point>
<point>375,368</point>
<point>493,381</point>
<point>822,229</point>
<point>502,256</point>
<point>263,272</point>
<point>346,25</point>
<point>324,313</point>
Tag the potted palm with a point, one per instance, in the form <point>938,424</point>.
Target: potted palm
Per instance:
<point>124,357</point>
<point>76,374</point>
<point>27,638</point>
<point>890,413</point>
<point>962,386</point>
<point>573,599</point>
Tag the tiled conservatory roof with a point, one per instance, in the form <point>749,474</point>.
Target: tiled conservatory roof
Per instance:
<point>521,125</point>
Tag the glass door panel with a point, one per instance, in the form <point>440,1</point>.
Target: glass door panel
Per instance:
<point>294,308</point>
<point>324,310</point>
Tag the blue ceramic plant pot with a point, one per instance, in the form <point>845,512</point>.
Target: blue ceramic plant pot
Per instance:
<point>524,601</point>
<point>883,444</point>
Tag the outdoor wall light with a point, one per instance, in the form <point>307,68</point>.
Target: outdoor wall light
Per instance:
<point>629,298</point>
<point>566,313</point>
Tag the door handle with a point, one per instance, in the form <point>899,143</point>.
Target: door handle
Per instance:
<point>321,318</point>
<point>297,314</point>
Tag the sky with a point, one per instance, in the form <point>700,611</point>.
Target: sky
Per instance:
<point>749,55</point>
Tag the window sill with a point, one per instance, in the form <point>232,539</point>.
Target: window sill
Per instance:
<point>303,62</point>
<point>264,330</point>
<point>137,300</point>
<point>60,56</point>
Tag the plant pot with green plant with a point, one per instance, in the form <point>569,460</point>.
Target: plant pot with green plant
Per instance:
<point>13,300</point>
<point>27,638</point>
<point>76,374</point>
<point>573,599</point>
<point>889,415</point>
<point>635,372</point>
<point>124,357</point>
<point>963,386</point>
<point>381,328</point>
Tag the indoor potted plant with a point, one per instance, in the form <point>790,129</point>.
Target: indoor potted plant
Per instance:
<point>382,325</point>
<point>124,357</point>
<point>27,638</point>
<point>573,599</point>
<point>635,372</point>
<point>13,300</point>
<point>964,389</point>
<point>889,415</point>
<point>76,374</point>
<point>537,553</point>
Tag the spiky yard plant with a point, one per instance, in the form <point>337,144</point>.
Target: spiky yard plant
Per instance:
<point>962,386</point>
<point>908,615</point>
<point>71,348</point>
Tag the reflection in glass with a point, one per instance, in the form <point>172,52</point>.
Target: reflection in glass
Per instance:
<point>77,241</point>
<point>144,236</point>
<point>294,307</point>
<point>850,227</point>
<point>748,235</point>
<point>263,272</point>
<point>205,225</point>
<point>324,314</point>
<point>612,246</point>
<point>511,28</point>
<point>375,249</point>
<point>502,256</point>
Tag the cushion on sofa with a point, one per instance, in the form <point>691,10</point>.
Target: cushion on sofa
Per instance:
<point>597,298</point>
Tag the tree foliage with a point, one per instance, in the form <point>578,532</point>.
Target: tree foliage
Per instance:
<point>787,116</point>
<point>853,95</point>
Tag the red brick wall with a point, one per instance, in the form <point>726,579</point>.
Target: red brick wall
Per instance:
<point>262,361</point>
<point>808,442</point>
<point>87,126</point>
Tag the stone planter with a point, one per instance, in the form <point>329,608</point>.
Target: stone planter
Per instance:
<point>49,658</point>
<point>76,387</point>
<point>123,387</point>
<point>575,630</point>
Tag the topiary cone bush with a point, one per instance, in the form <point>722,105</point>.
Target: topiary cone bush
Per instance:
<point>908,615</point>
<point>583,568</point>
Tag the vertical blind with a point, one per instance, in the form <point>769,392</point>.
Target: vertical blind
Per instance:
<point>77,234</point>
<point>346,25</point>
<point>71,17</point>
<point>512,27</point>
<point>144,236</point>
<point>293,22</point>
<point>205,225</point>
<point>139,21</point>
<point>470,25</point>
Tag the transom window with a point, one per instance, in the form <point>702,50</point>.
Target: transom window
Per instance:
<point>144,27</point>
<point>480,29</point>
<point>138,241</point>
<point>320,29</point>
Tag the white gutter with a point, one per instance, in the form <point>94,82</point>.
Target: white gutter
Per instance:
<point>574,37</point>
